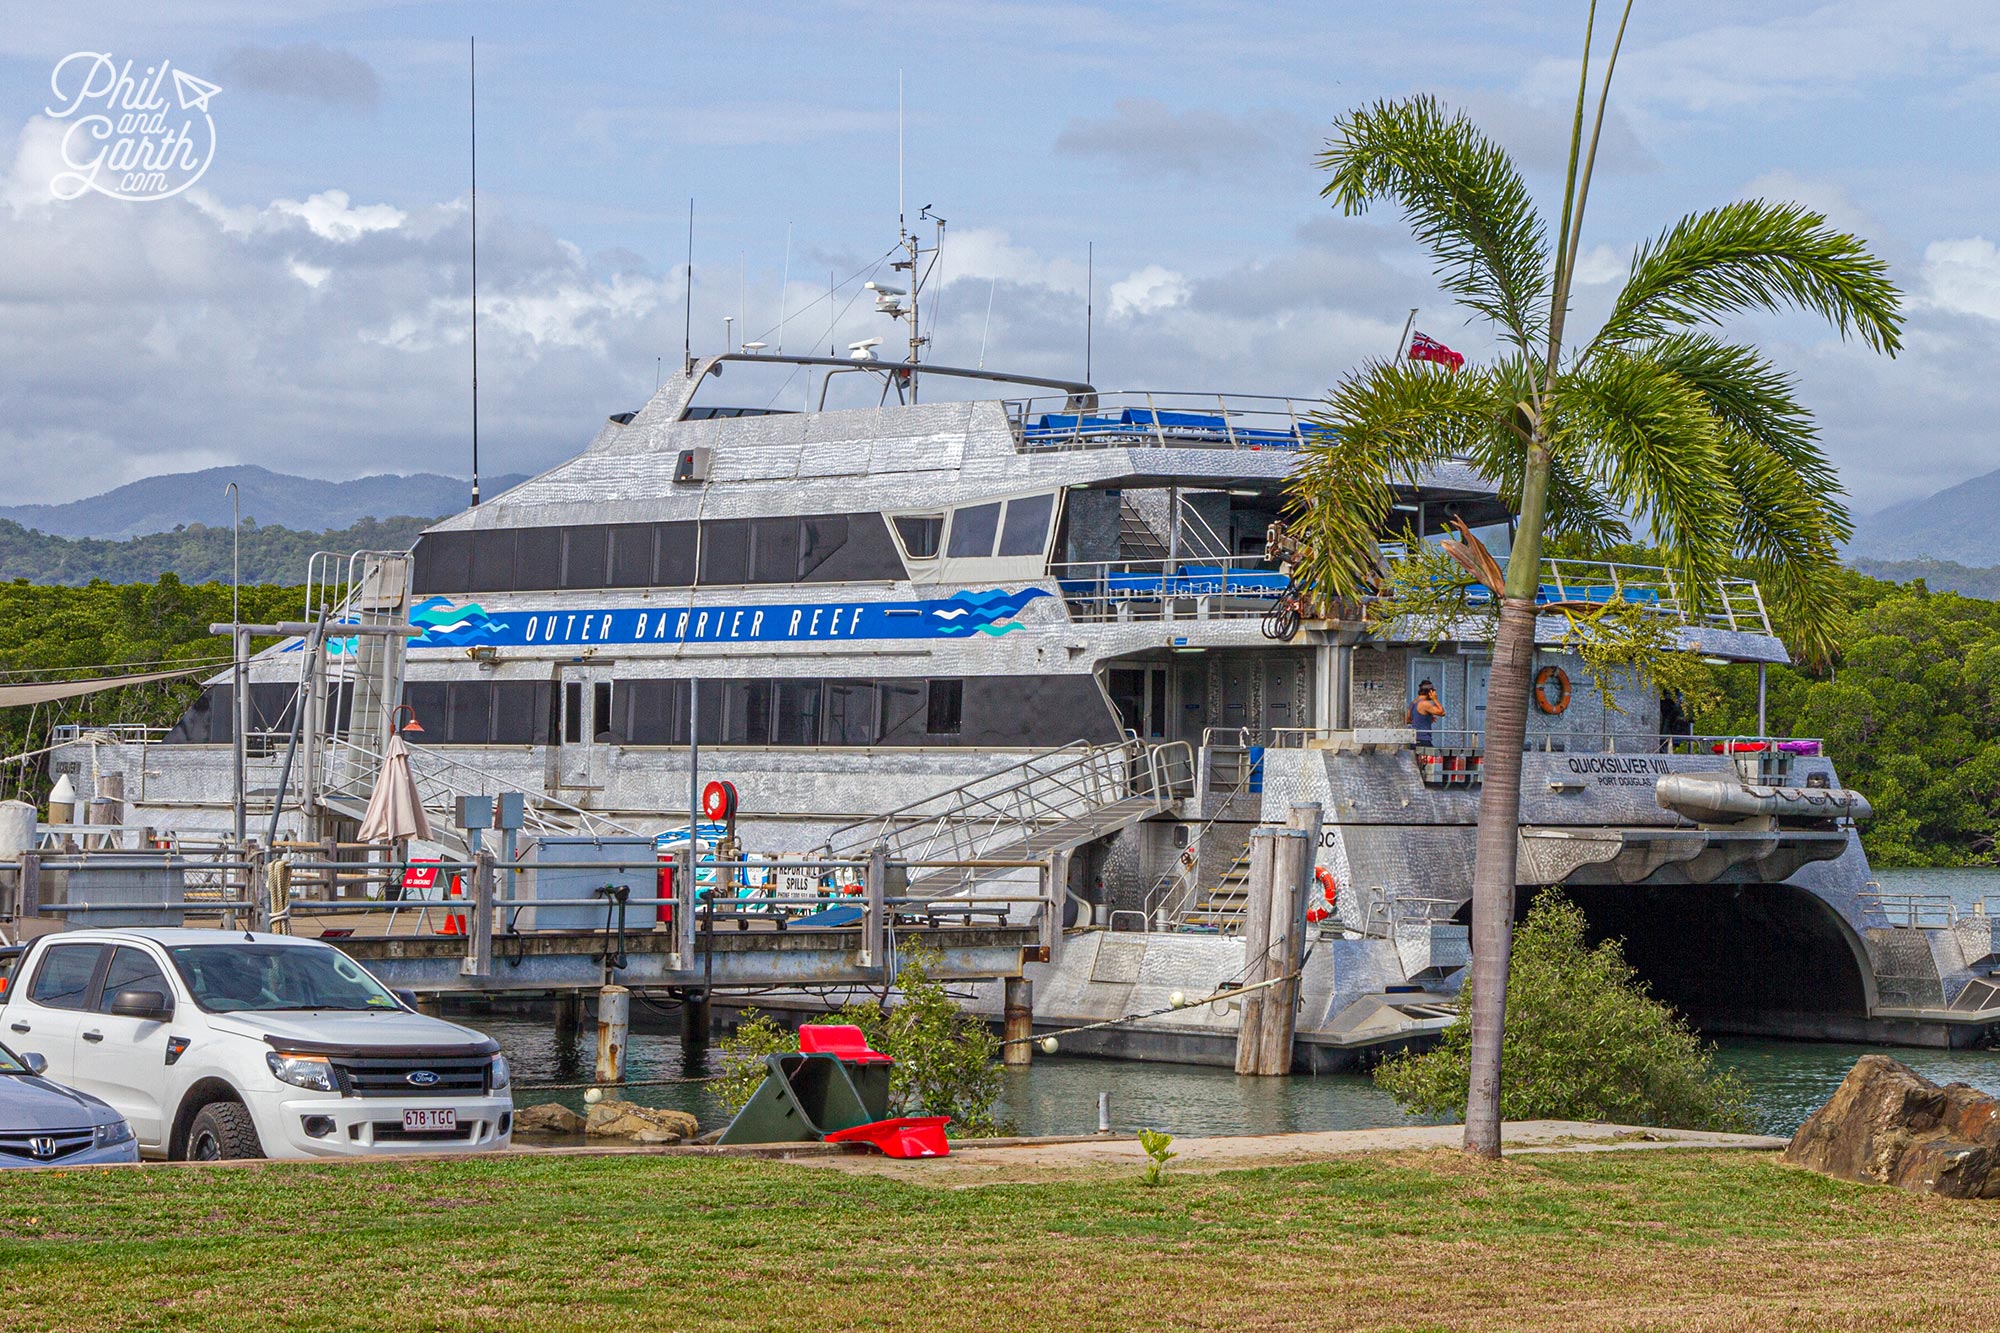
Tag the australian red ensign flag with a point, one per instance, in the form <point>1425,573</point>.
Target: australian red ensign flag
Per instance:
<point>1423,347</point>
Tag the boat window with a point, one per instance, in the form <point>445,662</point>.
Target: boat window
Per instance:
<point>920,534</point>
<point>631,555</point>
<point>849,715</point>
<point>429,702</point>
<point>537,559</point>
<point>973,529</point>
<point>520,712</point>
<point>819,538</point>
<point>443,562</point>
<point>654,712</point>
<point>725,551</point>
<point>674,565</point>
<point>493,556</point>
<point>797,721</point>
<point>470,712</point>
<point>63,979</point>
<point>131,969</point>
<point>746,712</point>
<point>1026,531</point>
<point>572,712</point>
<point>601,728</point>
<point>774,550</point>
<point>946,711</point>
<point>583,557</point>
<point>901,705</point>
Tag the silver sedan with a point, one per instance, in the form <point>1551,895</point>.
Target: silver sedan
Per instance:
<point>46,1124</point>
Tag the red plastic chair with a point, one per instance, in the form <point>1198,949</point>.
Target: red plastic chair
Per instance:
<point>842,1040</point>
<point>906,1136</point>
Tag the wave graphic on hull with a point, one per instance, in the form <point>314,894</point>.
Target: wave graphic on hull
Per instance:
<point>990,612</point>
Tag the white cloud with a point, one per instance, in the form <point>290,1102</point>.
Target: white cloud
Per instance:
<point>332,217</point>
<point>1599,265</point>
<point>1147,292</point>
<point>1963,276</point>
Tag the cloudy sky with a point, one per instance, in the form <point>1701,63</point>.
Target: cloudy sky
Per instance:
<point>304,304</point>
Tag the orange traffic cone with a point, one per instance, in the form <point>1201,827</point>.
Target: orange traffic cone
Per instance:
<point>454,922</point>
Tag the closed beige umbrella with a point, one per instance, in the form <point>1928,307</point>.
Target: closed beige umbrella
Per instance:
<point>395,811</point>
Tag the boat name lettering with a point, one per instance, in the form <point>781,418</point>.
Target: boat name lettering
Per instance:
<point>1611,763</point>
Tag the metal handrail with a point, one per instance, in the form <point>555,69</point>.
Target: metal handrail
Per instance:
<point>1123,419</point>
<point>1157,904</point>
<point>545,814</point>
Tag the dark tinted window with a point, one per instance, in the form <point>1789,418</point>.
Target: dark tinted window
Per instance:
<point>709,716</point>
<point>945,712</point>
<point>493,559</point>
<point>775,550</point>
<point>820,539</point>
<point>797,721</point>
<point>538,558</point>
<point>603,728</point>
<point>131,969</point>
<point>63,979</point>
<point>901,708</point>
<point>674,567</point>
<point>867,556</point>
<point>920,533</point>
<point>520,712</point>
<point>849,714</point>
<point>429,702</point>
<point>725,551</point>
<point>972,530</point>
<point>631,555</point>
<point>584,550</point>
<point>470,707</point>
<point>443,562</point>
<point>652,712</point>
<point>1027,527</point>
<point>572,728</point>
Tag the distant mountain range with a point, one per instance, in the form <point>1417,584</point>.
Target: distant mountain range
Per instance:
<point>1957,524</point>
<point>303,504</point>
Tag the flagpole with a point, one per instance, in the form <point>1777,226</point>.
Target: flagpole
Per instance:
<point>1404,341</point>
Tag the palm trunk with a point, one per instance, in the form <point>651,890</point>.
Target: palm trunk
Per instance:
<point>1507,690</point>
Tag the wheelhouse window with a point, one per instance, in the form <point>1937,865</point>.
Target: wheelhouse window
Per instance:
<point>920,534</point>
<point>1026,530</point>
<point>973,530</point>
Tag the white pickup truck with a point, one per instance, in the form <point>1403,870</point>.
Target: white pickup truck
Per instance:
<point>219,1044</point>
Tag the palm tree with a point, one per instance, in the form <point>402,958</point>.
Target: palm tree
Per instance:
<point>1655,417</point>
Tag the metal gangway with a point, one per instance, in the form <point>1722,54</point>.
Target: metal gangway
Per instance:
<point>1048,804</point>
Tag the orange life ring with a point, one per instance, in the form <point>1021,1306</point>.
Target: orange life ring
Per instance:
<point>1558,702</point>
<point>1329,887</point>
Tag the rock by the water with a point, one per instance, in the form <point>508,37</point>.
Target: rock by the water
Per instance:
<point>548,1118</point>
<point>1888,1125</point>
<point>641,1124</point>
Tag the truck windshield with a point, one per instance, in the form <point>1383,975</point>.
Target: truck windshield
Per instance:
<point>226,978</point>
<point>10,1063</point>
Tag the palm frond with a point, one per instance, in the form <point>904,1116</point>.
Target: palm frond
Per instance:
<point>1652,446</point>
<point>1461,195</point>
<point>1577,507</point>
<point>1390,421</point>
<point>1754,255</point>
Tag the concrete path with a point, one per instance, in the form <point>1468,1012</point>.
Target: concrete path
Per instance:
<point>974,1161</point>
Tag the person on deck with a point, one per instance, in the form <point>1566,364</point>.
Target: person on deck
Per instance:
<point>1425,712</point>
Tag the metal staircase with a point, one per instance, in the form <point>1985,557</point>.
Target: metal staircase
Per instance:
<point>1049,803</point>
<point>1221,906</point>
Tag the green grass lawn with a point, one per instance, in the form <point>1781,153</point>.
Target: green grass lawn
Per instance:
<point>1613,1240</point>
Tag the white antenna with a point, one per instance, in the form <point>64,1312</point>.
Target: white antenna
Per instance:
<point>899,150</point>
<point>784,288</point>
<point>988,326</point>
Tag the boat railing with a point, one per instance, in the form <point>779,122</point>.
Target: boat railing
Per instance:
<point>1142,419</point>
<point>1759,757</point>
<point>1193,588</point>
<point>440,780</point>
<point>1723,603</point>
<point>1913,910</point>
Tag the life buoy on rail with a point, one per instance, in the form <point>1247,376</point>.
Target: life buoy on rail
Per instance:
<point>1552,690</point>
<point>1329,889</point>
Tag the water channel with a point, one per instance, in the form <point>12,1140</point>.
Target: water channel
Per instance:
<point>1058,1095</point>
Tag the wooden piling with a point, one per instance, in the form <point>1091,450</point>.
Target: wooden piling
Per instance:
<point>569,1015</point>
<point>614,1023</point>
<point>1017,1023</point>
<point>696,1017</point>
<point>1281,872</point>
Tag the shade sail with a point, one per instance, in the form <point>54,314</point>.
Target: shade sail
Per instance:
<point>46,691</point>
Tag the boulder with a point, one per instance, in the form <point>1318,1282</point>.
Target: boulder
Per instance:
<point>640,1124</point>
<point>1888,1125</point>
<point>548,1118</point>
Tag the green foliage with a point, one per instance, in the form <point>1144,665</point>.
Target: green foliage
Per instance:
<point>196,552</point>
<point>743,1051</point>
<point>946,1060</point>
<point>48,632</point>
<point>1156,1144</point>
<point>1584,1041</point>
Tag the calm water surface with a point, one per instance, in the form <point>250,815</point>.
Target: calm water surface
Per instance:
<point>1058,1095</point>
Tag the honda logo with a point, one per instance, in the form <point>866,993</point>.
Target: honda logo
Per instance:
<point>42,1146</point>
<point>423,1078</point>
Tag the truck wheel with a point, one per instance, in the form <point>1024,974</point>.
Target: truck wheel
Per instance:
<point>222,1131</point>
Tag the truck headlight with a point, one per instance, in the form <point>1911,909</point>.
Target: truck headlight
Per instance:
<point>501,1075</point>
<point>303,1071</point>
<point>105,1136</point>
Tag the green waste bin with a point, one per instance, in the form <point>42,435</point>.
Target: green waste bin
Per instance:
<point>805,1097</point>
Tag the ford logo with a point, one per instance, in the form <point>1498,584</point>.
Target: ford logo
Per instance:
<point>423,1078</point>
